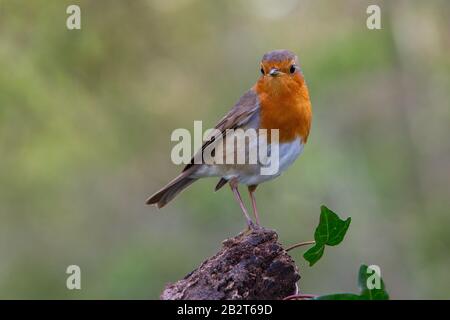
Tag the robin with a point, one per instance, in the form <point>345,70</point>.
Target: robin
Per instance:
<point>279,100</point>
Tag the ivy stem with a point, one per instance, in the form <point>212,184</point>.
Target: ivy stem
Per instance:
<point>301,244</point>
<point>300,297</point>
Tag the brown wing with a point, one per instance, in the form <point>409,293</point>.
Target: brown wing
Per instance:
<point>242,111</point>
<point>239,115</point>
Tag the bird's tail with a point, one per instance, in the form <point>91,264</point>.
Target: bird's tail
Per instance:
<point>171,190</point>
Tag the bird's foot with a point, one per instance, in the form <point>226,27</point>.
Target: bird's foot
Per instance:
<point>251,226</point>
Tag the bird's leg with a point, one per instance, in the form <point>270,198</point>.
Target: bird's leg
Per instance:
<point>237,195</point>
<point>251,190</point>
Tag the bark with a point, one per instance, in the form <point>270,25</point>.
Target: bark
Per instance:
<point>252,265</point>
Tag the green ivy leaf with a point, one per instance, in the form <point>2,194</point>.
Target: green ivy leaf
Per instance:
<point>365,276</point>
<point>330,231</point>
<point>314,254</point>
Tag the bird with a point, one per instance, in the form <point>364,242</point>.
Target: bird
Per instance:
<point>279,100</point>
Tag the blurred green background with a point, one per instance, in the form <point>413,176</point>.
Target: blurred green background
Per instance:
<point>86,117</point>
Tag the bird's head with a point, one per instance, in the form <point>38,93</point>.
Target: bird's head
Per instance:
<point>280,71</point>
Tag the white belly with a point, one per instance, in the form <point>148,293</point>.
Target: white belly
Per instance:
<point>253,174</point>
<point>288,153</point>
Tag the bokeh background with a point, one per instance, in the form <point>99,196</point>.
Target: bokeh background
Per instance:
<point>86,118</point>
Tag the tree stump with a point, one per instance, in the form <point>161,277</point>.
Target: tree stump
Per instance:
<point>250,266</point>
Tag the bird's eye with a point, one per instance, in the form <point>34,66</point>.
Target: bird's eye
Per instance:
<point>262,71</point>
<point>292,69</point>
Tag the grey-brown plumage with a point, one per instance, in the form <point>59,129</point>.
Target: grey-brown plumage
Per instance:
<point>239,115</point>
<point>172,189</point>
<point>279,55</point>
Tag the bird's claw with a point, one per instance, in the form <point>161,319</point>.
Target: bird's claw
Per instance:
<point>251,226</point>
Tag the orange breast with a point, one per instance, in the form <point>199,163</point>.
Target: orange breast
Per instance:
<point>285,105</point>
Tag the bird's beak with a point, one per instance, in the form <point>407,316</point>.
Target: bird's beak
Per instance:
<point>274,72</point>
